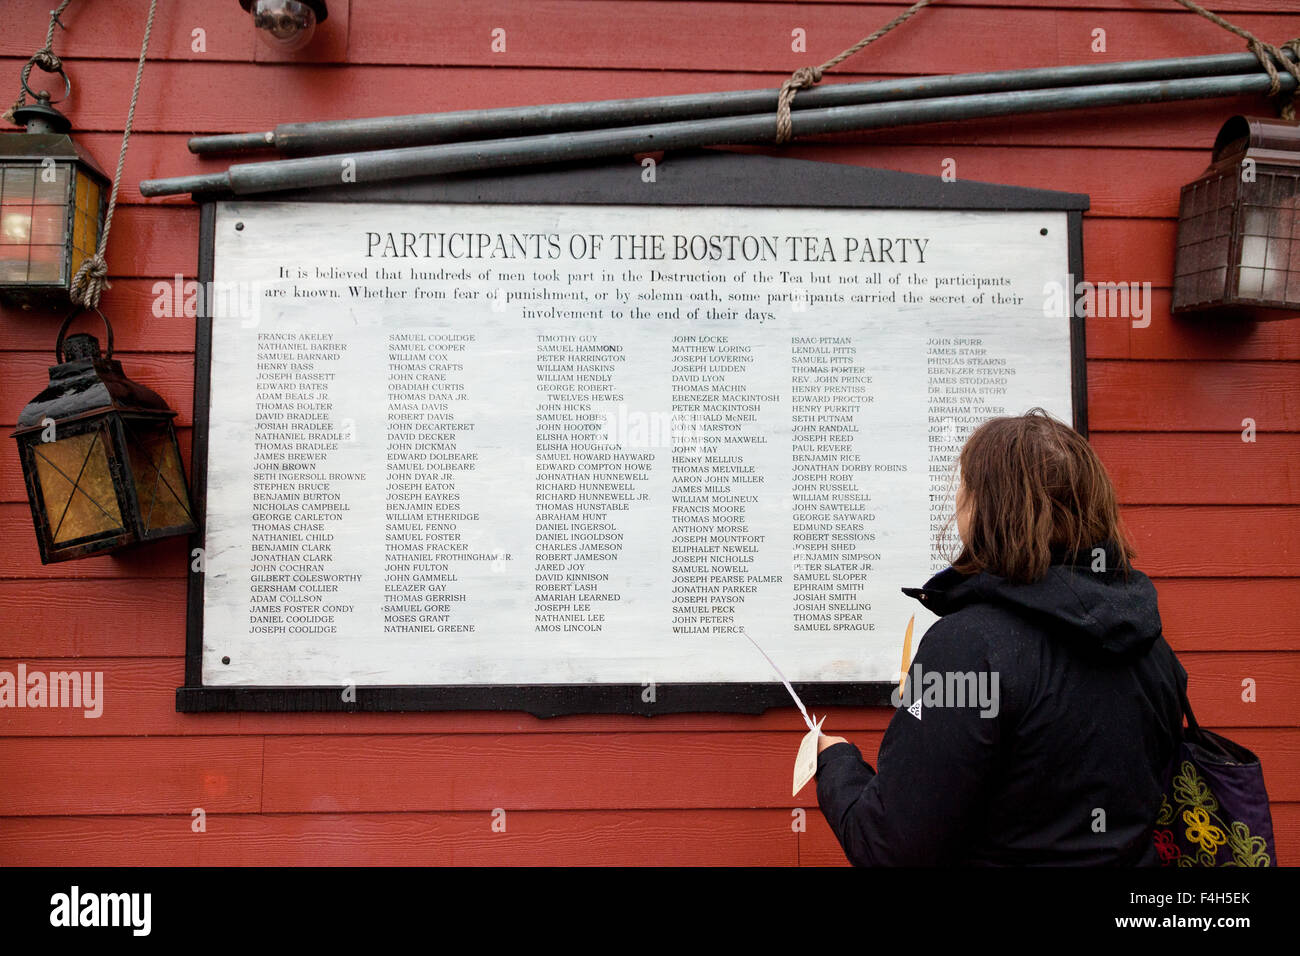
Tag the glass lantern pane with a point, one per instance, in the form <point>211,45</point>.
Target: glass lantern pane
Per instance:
<point>79,224</point>
<point>1257,221</point>
<point>46,264</point>
<point>1217,280</point>
<point>77,487</point>
<point>1250,283</point>
<point>1284,187</point>
<point>92,230</point>
<point>1254,249</point>
<point>1218,250</point>
<point>52,184</point>
<point>1274,288</point>
<point>156,471</point>
<point>1203,197</point>
<point>1278,254</point>
<point>1210,254</point>
<point>18,186</point>
<point>91,235</point>
<point>16,225</point>
<point>13,264</point>
<point>83,185</point>
<point>1256,190</point>
<point>1223,219</point>
<point>1206,221</point>
<point>1210,196</point>
<point>48,223</point>
<point>1284,219</point>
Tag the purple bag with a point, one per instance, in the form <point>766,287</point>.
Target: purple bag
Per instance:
<point>1215,809</point>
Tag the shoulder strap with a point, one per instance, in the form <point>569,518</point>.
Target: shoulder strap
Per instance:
<point>1182,696</point>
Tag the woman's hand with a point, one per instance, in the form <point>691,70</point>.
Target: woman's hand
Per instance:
<point>823,742</point>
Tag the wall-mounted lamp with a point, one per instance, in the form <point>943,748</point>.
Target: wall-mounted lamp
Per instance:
<point>1238,249</point>
<point>99,456</point>
<point>52,198</point>
<point>286,25</point>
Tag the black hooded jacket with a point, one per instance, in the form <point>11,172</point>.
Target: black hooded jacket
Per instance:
<point>1061,761</point>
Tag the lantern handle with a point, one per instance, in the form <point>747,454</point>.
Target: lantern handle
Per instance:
<point>63,330</point>
<point>39,59</point>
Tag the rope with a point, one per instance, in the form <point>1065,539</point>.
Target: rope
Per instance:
<point>1266,53</point>
<point>44,58</point>
<point>807,76</point>
<point>92,278</point>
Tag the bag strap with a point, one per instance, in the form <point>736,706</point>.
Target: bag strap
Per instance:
<point>1186,704</point>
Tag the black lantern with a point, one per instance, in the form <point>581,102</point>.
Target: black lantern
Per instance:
<point>99,456</point>
<point>52,198</point>
<point>1238,251</point>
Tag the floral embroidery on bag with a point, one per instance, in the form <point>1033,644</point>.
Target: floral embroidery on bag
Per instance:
<point>1247,850</point>
<point>1165,846</point>
<point>1191,790</point>
<point>1200,830</point>
<point>1166,812</point>
<point>1205,830</point>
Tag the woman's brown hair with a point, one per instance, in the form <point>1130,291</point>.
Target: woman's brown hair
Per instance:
<point>1036,491</point>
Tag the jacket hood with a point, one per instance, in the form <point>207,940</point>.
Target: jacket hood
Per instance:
<point>1101,611</point>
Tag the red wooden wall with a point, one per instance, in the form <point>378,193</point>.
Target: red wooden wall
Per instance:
<point>1217,520</point>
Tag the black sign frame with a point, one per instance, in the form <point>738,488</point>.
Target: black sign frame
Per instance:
<point>688,178</point>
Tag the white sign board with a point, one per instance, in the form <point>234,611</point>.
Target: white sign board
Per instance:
<point>505,444</point>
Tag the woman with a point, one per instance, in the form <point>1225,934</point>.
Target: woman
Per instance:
<point>1046,737</point>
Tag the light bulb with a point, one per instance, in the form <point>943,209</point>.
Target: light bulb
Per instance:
<point>286,25</point>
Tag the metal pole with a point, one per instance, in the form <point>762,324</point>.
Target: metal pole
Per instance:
<point>378,165</point>
<point>383,132</point>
